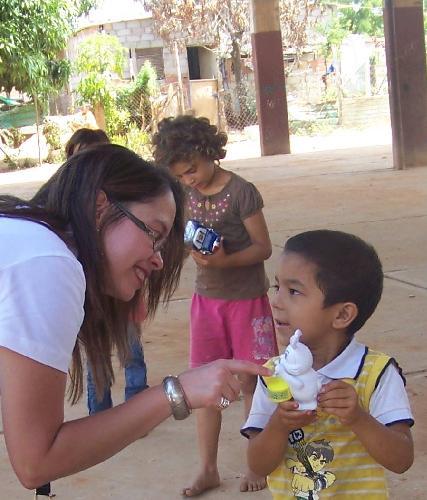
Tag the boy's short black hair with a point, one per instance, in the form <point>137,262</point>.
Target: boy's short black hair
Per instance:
<point>348,269</point>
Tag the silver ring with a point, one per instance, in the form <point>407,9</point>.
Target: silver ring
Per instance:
<point>224,403</point>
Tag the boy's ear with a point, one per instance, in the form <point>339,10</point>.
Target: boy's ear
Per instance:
<point>346,312</point>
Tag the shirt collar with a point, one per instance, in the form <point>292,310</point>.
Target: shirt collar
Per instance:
<point>347,364</point>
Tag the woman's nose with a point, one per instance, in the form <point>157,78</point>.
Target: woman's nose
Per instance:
<point>157,261</point>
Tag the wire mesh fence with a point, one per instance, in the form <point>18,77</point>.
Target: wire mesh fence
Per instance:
<point>238,105</point>
<point>347,94</point>
<point>321,100</point>
<point>145,107</point>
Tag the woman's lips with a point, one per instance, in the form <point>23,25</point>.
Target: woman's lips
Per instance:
<point>140,274</point>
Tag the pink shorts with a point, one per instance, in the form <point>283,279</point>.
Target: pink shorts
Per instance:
<point>231,329</point>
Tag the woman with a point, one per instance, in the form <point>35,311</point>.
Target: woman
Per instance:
<point>105,233</point>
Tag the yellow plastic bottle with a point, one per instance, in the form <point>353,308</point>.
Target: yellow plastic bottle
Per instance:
<point>278,389</point>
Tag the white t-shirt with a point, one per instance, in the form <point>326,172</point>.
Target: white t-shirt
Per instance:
<point>42,293</point>
<point>389,402</point>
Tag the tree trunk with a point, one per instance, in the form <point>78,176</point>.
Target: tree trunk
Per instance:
<point>36,105</point>
<point>181,103</point>
<point>237,63</point>
<point>98,111</point>
<point>241,102</point>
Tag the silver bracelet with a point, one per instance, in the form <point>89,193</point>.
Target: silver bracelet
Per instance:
<point>176,397</point>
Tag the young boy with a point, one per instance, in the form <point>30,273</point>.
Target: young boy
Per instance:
<point>328,284</point>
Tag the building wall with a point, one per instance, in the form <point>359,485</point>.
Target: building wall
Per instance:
<point>208,63</point>
<point>134,34</point>
<point>364,111</point>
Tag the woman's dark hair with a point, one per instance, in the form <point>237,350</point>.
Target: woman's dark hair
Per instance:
<point>83,138</point>
<point>183,137</point>
<point>348,270</point>
<point>68,205</point>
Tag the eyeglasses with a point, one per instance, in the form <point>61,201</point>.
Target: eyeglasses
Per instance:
<point>158,242</point>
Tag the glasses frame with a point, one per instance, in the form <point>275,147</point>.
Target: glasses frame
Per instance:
<point>156,240</point>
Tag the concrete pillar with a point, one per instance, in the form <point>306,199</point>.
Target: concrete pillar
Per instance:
<point>267,57</point>
<point>406,68</point>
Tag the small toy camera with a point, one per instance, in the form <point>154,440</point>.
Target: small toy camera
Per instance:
<point>201,238</point>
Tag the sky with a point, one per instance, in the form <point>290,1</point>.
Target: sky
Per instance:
<point>114,10</point>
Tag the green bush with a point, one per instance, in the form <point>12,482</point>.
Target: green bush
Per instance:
<point>310,127</point>
<point>135,98</point>
<point>52,132</point>
<point>136,140</point>
<point>56,156</point>
<point>117,120</point>
<point>15,163</point>
<point>16,137</point>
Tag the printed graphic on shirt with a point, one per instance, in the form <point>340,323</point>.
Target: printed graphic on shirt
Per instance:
<point>263,343</point>
<point>311,458</point>
<point>206,212</point>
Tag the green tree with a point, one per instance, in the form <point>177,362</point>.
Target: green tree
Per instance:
<point>356,17</point>
<point>33,35</point>
<point>99,57</point>
<point>352,17</point>
<point>363,16</point>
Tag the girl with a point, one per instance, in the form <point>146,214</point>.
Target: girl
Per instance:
<point>231,285</point>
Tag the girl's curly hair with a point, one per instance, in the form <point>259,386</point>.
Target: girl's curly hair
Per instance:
<point>183,137</point>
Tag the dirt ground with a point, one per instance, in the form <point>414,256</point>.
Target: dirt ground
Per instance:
<point>350,189</point>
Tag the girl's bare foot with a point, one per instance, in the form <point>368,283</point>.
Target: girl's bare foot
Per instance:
<point>252,482</point>
<point>205,481</point>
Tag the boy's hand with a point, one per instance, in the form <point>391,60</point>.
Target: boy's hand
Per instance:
<point>340,399</point>
<point>288,417</point>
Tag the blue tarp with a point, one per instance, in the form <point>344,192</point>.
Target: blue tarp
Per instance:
<point>9,102</point>
<point>19,116</point>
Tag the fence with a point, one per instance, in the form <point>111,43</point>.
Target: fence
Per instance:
<point>237,105</point>
<point>320,102</point>
<point>352,94</point>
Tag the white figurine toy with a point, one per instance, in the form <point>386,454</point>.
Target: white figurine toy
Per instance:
<point>295,367</point>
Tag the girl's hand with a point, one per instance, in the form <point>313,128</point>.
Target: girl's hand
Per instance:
<point>288,417</point>
<point>340,399</point>
<point>206,385</point>
<point>218,259</point>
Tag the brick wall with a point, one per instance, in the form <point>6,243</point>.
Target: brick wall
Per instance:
<point>135,34</point>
